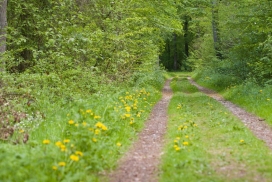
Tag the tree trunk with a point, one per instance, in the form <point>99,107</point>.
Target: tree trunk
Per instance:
<point>215,28</point>
<point>175,53</point>
<point>186,41</point>
<point>3,24</point>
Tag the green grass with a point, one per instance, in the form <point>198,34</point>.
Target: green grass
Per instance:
<point>78,138</point>
<point>252,97</point>
<point>219,148</point>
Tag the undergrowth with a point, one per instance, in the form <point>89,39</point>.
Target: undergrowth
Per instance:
<point>72,128</point>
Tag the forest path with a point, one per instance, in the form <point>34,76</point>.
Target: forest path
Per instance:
<point>257,125</point>
<point>141,162</point>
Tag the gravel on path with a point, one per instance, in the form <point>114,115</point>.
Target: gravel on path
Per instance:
<point>141,162</point>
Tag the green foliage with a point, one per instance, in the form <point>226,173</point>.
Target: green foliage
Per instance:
<point>104,35</point>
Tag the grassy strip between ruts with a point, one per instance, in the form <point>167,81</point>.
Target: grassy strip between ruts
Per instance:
<point>205,142</point>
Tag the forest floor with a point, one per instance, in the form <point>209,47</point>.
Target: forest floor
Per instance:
<point>142,161</point>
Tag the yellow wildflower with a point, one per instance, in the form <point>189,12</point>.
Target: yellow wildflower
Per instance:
<point>127,115</point>
<point>71,122</point>
<point>62,164</point>
<point>128,108</point>
<point>177,148</point>
<point>89,111</point>
<point>185,143</point>
<point>186,136</point>
<point>242,141</point>
<point>58,143</point>
<point>79,153</point>
<point>118,144</point>
<point>66,141</point>
<point>21,131</point>
<point>101,125</point>
<point>104,128</point>
<point>46,141</point>
<point>54,167</point>
<point>74,157</point>
<point>84,123</point>
<point>63,147</point>
<point>94,140</point>
<point>97,117</point>
<point>96,131</point>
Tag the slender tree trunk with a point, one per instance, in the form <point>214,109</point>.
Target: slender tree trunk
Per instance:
<point>175,53</point>
<point>186,41</point>
<point>3,24</point>
<point>215,28</point>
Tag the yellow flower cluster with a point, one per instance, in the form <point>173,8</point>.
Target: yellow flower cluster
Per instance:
<point>128,109</point>
<point>46,141</point>
<point>61,145</point>
<point>101,126</point>
<point>184,139</point>
<point>73,157</point>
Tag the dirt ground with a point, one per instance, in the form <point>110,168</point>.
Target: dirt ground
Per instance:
<point>142,160</point>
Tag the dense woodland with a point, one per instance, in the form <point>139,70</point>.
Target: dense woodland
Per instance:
<point>118,38</point>
<point>57,54</point>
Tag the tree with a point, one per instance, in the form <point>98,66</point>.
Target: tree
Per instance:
<point>215,28</point>
<point>3,24</point>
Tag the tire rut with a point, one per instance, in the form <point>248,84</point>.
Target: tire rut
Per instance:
<point>141,162</point>
<point>257,125</point>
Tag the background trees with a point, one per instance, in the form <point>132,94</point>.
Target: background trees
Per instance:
<point>114,37</point>
<point>119,37</point>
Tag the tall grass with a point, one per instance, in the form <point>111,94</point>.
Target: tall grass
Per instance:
<point>76,131</point>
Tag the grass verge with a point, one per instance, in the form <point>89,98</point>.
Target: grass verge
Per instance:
<point>205,142</point>
<point>80,138</point>
<point>254,98</point>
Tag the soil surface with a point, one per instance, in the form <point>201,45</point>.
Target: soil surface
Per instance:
<point>257,125</point>
<point>141,162</point>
